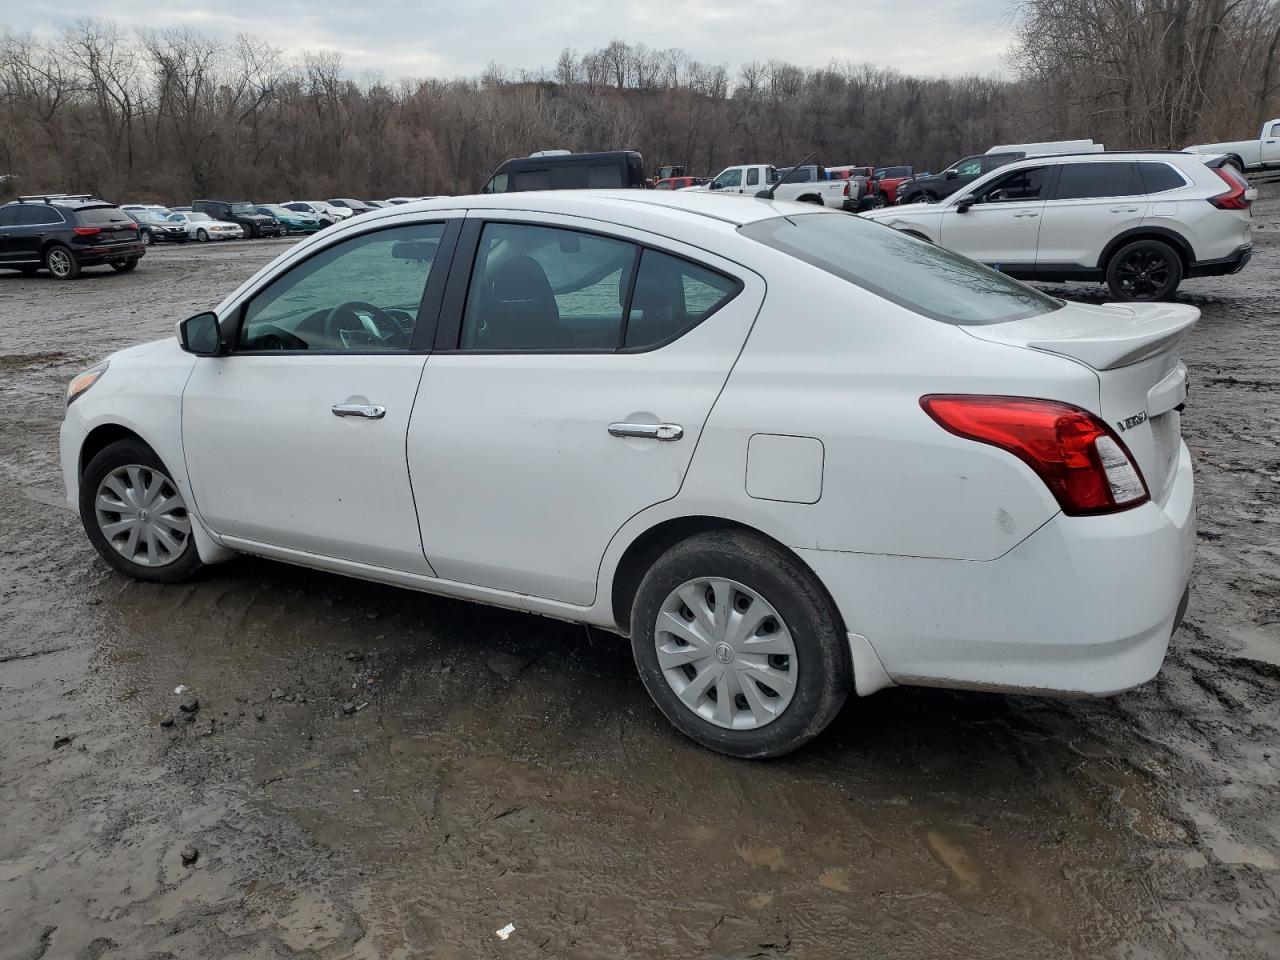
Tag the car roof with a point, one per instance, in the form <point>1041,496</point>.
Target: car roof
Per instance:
<point>609,205</point>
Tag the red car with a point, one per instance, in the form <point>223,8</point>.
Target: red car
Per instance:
<point>679,183</point>
<point>891,178</point>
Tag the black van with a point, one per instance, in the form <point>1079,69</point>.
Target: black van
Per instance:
<point>568,171</point>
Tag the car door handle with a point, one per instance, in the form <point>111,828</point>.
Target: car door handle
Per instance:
<point>1124,209</point>
<point>651,431</point>
<point>1026,213</point>
<point>370,411</point>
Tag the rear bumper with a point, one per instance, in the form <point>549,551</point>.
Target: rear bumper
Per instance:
<point>1223,265</point>
<point>91,256</point>
<point>1085,605</point>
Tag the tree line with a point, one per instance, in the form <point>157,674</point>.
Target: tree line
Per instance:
<point>174,114</point>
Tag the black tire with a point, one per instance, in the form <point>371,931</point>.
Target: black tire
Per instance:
<point>124,453</point>
<point>823,668</point>
<point>124,266</point>
<point>202,235</point>
<point>1236,162</point>
<point>812,199</point>
<point>147,238</point>
<point>924,196</point>
<point>1144,270</point>
<point>61,262</point>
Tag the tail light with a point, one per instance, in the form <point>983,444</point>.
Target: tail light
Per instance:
<point>1234,198</point>
<point>1083,463</point>
<point>846,188</point>
<point>87,231</point>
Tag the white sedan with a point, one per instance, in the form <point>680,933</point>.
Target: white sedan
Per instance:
<point>202,227</point>
<point>789,452</point>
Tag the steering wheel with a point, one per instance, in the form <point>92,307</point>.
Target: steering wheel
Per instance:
<point>374,321</point>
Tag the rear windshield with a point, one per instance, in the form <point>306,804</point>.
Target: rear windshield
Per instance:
<point>909,272</point>
<point>101,215</point>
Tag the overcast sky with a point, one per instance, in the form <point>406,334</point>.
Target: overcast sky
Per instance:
<point>458,37</point>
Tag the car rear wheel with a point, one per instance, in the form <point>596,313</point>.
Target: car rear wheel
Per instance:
<point>1144,270</point>
<point>61,262</point>
<point>124,266</point>
<point>135,515</point>
<point>739,646</point>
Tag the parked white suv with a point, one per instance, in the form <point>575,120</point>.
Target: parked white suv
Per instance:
<point>1142,222</point>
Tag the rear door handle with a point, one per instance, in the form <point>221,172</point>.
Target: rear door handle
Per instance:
<point>1124,209</point>
<point>370,411</point>
<point>651,431</point>
<point>1027,214</point>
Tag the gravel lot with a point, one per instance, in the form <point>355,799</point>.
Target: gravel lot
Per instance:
<point>504,768</point>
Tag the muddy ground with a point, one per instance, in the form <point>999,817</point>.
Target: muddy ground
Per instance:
<point>501,768</point>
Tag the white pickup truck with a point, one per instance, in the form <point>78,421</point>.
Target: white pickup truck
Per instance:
<point>1260,154</point>
<point>808,185</point>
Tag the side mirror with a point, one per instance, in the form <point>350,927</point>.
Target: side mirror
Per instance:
<point>965,202</point>
<point>950,174</point>
<point>714,185</point>
<point>201,335</point>
<point>763,195</point>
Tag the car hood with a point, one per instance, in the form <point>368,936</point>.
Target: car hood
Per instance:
<point>893,215</point>
<point>140,350</point>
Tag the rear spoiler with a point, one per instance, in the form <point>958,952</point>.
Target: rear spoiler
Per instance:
<point>1152,329</point>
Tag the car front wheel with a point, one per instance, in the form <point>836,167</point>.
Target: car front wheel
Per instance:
<point>739,646</point>
<point>135,515</point>
<point>202,235</point>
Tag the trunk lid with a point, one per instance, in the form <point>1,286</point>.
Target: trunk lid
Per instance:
<point>1135,351</point>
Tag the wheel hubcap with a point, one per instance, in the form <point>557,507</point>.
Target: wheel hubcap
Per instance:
<point>59,263</point>
<point>142,515</point>
<point>726,653</point>
<point>1144,275</point>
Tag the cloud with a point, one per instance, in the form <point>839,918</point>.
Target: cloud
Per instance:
<point>460,37</point>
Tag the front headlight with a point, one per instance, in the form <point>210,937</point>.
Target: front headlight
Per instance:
<point>82,382</point>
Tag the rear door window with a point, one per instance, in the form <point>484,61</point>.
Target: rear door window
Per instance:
<point>1084,181</point>
<point>33,216</point>
<point>753,177</point>
<point>546,288</point>
<point>672,296</point>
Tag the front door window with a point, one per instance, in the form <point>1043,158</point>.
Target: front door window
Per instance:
<point>362,295</point>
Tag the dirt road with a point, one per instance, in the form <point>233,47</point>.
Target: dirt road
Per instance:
<point>494,768</point>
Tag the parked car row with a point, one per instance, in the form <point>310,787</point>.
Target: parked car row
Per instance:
<point>234,219</point>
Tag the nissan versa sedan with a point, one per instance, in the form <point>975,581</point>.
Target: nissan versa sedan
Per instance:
<point>792,454</point>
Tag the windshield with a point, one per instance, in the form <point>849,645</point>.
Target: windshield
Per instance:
<point>242,208</point>
<point>198,216</point>
<point>279,211</point>
<point>911,273</point>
